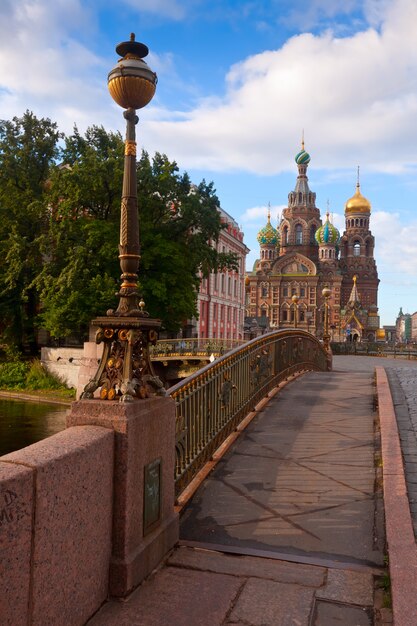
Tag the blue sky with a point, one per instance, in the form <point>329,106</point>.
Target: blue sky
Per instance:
<point>238,81</point>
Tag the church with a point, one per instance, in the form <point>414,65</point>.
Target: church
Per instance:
<point>305,255</point>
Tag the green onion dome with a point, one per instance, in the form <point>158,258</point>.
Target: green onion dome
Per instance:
<point>268,235</point>
<point>303,157</point>
<point>327,234</point>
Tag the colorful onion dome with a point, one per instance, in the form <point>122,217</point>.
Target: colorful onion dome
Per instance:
<point>268,235</point>
<point>357,203</point>
<point>302,157</point>
<point>328,233</point>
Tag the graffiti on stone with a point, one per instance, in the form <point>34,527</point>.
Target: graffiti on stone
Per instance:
<point>12,509</point>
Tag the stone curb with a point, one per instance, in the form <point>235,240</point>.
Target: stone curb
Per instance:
<point>402,548</point>
<point>26,397</point>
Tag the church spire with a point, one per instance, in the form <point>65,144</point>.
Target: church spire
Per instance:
<point>354,294</point>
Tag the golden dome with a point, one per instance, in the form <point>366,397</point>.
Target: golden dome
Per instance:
<point>358,203</point>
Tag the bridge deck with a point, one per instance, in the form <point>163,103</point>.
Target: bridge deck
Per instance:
<point>288,529</point>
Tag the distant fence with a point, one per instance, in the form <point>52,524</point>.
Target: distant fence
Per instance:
<point>212,402</point>
<point>376,349</point>
<point>196,347</point>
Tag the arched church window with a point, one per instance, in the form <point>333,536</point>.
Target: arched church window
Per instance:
<point>298,234</point>
<point>301,315</point>
<point>367,248</point>
<point>356,248</point>
<point>285,235</point>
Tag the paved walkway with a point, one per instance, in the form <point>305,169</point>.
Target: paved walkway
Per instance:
<point>288,529</point>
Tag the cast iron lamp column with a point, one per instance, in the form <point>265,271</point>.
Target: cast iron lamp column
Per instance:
<point>125,370</point>
<point>326,335</point>
<point>295,301</point>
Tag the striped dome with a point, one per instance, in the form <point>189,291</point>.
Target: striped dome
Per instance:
<point>268,235</point>
<point>327,234</point>
<point>302,158</point>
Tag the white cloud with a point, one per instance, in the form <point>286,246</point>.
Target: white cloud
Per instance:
<point>258,213</point>
<point>356,97</point>
<point>396,246</point>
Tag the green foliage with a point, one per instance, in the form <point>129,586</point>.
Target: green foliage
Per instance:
<point>18,375</point>
<point>28,146</point>
<point>13,374</point>
<point>179,223</point>
<point>39,378</point>
<point>60,227</point>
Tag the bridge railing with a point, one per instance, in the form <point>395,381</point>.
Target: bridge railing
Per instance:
<point>196,347</point>
<point>211,403</point>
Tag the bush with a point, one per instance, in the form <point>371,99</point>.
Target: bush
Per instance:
<point>13,375</point>
<point>39,378</point>
<point>16,375</point>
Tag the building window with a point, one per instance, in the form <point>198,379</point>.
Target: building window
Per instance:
<point>302,292</point>
<point>264,292</point>
<point>298,234</point>
<point>356,248</point>
<point>263,312</point>
<point>285,235</point>
<point>313,234</point>
<point>285,292</point>
<point>284,315</point>
<point>301,315</point>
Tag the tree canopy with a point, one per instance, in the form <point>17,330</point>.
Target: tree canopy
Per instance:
<point>59,232</point>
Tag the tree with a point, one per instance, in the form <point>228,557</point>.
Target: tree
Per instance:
<point>178,224</point>
<point>28,147</point>
<point>80,269</point>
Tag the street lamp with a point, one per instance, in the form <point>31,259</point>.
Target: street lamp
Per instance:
<point>125,370</point>
<point>295,302</point>
<point>326,336</point>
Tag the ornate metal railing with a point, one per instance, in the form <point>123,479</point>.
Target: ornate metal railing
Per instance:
<point>211,403</point>
<point>192,348</point>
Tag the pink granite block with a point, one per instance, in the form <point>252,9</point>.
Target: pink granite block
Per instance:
<point>144,433</point>
<point>399,529</point>
<point>16,511</point>
<point>72,526</point>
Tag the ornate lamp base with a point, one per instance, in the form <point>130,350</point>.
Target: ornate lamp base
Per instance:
<point>125,371</point>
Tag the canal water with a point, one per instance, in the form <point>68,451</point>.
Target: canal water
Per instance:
<point>24,423</point>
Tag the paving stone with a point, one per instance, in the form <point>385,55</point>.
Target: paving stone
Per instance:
<point>267,603</point>
<point>176,597</point>
<point>331,614</point>
<point>348,587</point>
<point>280,571</point>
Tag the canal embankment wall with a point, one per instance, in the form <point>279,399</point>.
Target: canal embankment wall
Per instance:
<point>74,366</point>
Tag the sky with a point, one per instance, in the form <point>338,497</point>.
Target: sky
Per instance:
<point>238,83</point>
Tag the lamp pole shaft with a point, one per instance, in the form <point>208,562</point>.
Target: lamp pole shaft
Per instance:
<point>129,224</point>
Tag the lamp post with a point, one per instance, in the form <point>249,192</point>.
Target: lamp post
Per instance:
<point>295,302</point>
<point>125,370</point>
<point>326,336</point>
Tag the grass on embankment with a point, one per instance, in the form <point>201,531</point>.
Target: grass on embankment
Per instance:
<point>30,378</point>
